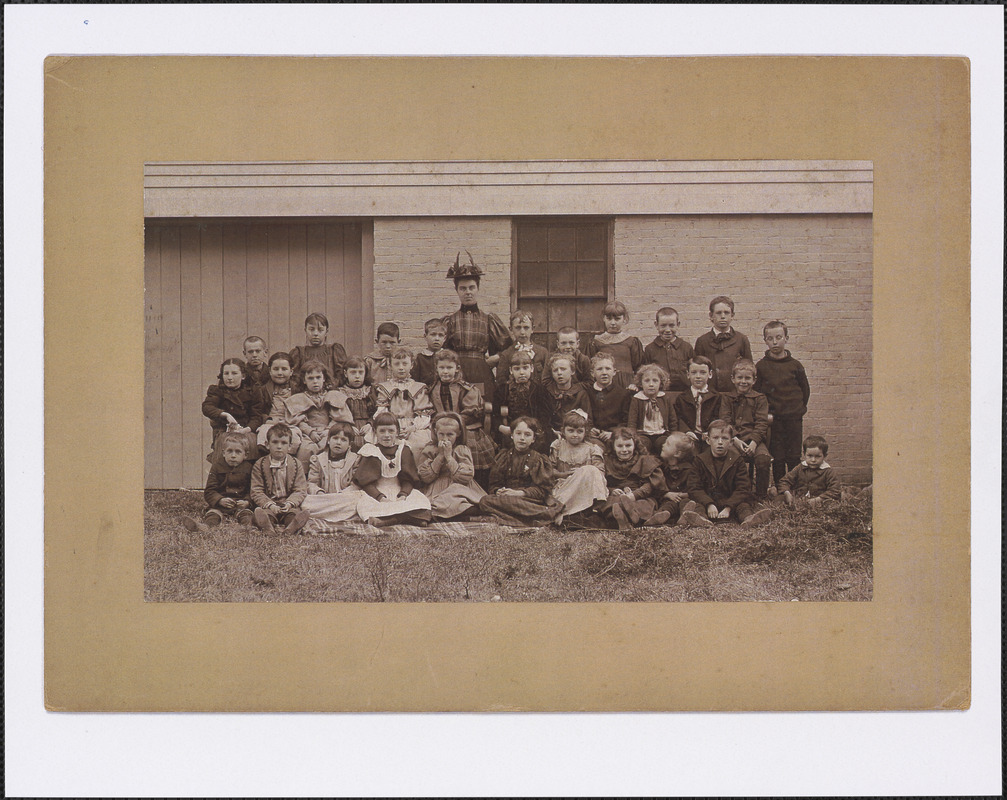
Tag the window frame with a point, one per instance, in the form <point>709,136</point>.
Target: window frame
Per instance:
<point>576,221</point>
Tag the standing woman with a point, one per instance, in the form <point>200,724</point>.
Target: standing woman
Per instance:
<point>474,334</point>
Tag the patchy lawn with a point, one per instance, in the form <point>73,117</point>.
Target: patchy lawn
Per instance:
<point>799,555</point>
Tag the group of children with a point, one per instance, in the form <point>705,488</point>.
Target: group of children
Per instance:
<point>656,435</point>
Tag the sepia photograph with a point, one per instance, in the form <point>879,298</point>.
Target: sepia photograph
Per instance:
<point>509,388</point>
<point>552,381</point>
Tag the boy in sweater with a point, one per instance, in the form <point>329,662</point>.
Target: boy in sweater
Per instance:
<point>813,478</point>
<point>782,379</point>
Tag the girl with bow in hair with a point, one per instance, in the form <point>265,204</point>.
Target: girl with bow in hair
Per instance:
<point>652,410</point>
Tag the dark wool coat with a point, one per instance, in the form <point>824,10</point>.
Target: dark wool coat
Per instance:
<point>243,403</point>
<point>226,481</point>
<point>685,408</point>
<point>723,354</point>
<point>730,488</point>
<point>609,406</point>
<point>673,359</point>
<point>804,481</point>
<point>748,413</point>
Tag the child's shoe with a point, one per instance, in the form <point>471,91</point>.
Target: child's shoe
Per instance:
<point>244,517</point>
<point>772,491</point>
<point>262,521</point>
<point>760,517</point>
<point>692,519</point>
<point>194,525</point>
<point>297,522</point>
<point>692,506</point>
<point>659,518</point>
<point>620,517</point>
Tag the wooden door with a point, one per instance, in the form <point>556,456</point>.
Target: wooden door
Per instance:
<point>211,283</point>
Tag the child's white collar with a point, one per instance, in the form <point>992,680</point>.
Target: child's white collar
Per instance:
<point>823,465</point>
<point>641,396</point>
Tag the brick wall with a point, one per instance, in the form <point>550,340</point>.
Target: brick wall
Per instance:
<point>411,257</point>
<point>812,271</point>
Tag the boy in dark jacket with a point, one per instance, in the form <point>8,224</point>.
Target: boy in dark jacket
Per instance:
<point>227,487</point>
<point>722,344</point>
<point>609,401</point>
<point>669,352</point>
<point>719,482</point>
<point>813,478</point>
<point>697,407</point>
<point>782,379</point>
<point>747,411</point>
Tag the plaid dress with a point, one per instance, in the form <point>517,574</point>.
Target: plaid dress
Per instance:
<point>466,400</point>
<point>362,405</point>
<point>471,333</point>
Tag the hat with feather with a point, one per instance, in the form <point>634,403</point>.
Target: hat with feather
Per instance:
<point>460,270</point>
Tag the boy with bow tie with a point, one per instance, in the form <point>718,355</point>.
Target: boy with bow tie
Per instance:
<point>722,344</point>
<point>521,327</point>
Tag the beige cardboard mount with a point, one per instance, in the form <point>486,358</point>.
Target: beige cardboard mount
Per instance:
<point>105,649</point>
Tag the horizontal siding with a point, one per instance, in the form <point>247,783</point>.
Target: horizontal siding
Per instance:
<point>506,188</point>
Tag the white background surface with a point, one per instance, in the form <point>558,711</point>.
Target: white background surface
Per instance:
<point>625,754</point>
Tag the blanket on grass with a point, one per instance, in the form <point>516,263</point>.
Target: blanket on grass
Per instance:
<point>470,527</point>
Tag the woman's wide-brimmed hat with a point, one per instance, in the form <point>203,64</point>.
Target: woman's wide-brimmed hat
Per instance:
<point>460,270</point>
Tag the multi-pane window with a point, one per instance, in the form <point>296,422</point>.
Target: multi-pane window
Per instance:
<point>563,275</point>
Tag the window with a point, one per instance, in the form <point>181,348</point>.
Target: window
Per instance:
<point>563,274</point>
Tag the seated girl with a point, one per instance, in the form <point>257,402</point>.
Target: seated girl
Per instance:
<point>407,399</point>
<point>634,479</point>
<point>273,396</point>
<point>521,480</point>
<point>233,405</point>
<point>313,410</point>
<point>446,465</point>
<point>387,475</point>
<point>332,495</point>
<point>652,410</point>
<point>579,467</point>
<point>450,393</point>
<point>359,398</point>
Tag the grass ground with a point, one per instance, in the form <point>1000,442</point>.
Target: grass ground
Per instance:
<point>799,555</point>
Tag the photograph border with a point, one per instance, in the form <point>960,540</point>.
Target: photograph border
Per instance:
<point>487,656</point>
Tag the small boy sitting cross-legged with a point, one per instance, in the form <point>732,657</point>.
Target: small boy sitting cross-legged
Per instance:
<point>278,485</point>
<point>677,454</point>
<point>719,482</point>
<point>813,479</point>
<point>227,487</point>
